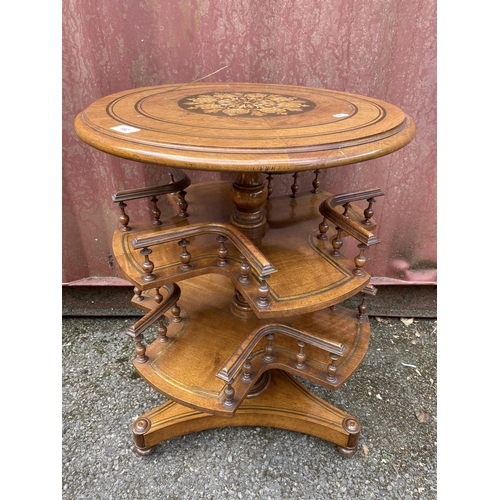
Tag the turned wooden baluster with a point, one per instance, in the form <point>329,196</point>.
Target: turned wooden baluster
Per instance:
<point>147,265</point>
<point>323,228</point>
<point>346,206</point>
<point>124,218</point>
<point>244,270</point>
<point>337,243</point>
<point>263,292</point>
<point>176,313</point>
<point>163,330</point>
<point>158,296</point>
<point>222,252</point>
<point>368,290</point>
<point>185,256</point>
<point>269,356</point>
<point>362,308</point>
<point>368,213</point>
<point>247,370</point>
<point>331,375</point>
<point>183,204</point>
<point>270,188</point>
<point>315,182</point>
<point>138,294</point>
<point>295,186</point>
<point>360,260</point>
<point>301,356</point>
<point>140,349</point>
<point>156,212</point>
<point>229,401</point>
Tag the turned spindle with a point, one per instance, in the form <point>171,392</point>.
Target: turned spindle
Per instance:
<point>269,356</point>
<point>183,204</point>
<point>244,272</point>
<point>156,212</point>
<point>331,370</point>
<point>162,330</point>
<point>247,371</point>
<point>270,188</point>
<point>124,218</point>
<point>323,228</point>
<point>301,356</point>
<point>229,401</point>
<point>337,243</point>
<point>315,182</point>
<point>263,292</point>
<point>138,294</point>
<point>362,308</point>
<point>222,252</point>
<point>176,313</point>
<point>346,206</point>
<point>147,265</point>
<point>360,260</point>
<point>368,212</point>
<point>140,350</point>
<point>185,256</point>
<point>158,296</point>
<point>295,186</point>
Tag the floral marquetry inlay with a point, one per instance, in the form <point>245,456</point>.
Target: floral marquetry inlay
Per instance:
<point>245,104</point>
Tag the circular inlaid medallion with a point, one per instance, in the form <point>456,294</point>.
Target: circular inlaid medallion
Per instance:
<point>246,104</point>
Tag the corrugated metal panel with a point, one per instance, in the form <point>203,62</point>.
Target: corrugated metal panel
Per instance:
<point>382,48</point>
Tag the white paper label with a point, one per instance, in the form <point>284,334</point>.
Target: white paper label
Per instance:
<point>125,129</point>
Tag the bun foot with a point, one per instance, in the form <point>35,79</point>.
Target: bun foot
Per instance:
<point>139,428</point>
<point>347,452</point>
<point>142,452</point>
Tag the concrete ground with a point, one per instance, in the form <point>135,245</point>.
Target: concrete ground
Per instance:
<point>393,394</point>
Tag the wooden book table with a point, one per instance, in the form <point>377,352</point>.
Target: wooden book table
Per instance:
<point>243,287</point>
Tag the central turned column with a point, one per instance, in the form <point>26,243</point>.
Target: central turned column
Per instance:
<point>249,194</point>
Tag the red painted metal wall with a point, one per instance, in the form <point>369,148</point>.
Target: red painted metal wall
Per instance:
<point>382,48</point>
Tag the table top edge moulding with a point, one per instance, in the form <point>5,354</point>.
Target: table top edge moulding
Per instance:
<point>247,127</point>
<point>246,289</point>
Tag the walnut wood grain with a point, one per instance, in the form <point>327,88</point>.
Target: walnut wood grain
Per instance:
<point>182,182</point>
<point>339,128</point>
<point>286,404</point>
<point>353,226</point>
<point>253,255</point>
<point>288,242</point>
<point>235,362</point>
<point>159,310</point>
<point>261,278</point>
<point>186,368</point>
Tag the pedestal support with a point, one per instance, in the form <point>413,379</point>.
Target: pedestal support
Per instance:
<point>249,194</point>
<point>286,404</point>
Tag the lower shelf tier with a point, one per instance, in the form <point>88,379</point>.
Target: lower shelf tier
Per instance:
<point>214,359</point>
<point>286,404</point>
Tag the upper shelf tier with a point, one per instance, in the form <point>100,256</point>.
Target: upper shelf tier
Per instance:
<point>303,275</point>
<point>244,127</point>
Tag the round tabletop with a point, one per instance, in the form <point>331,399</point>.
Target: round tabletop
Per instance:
<point>251,127</point>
